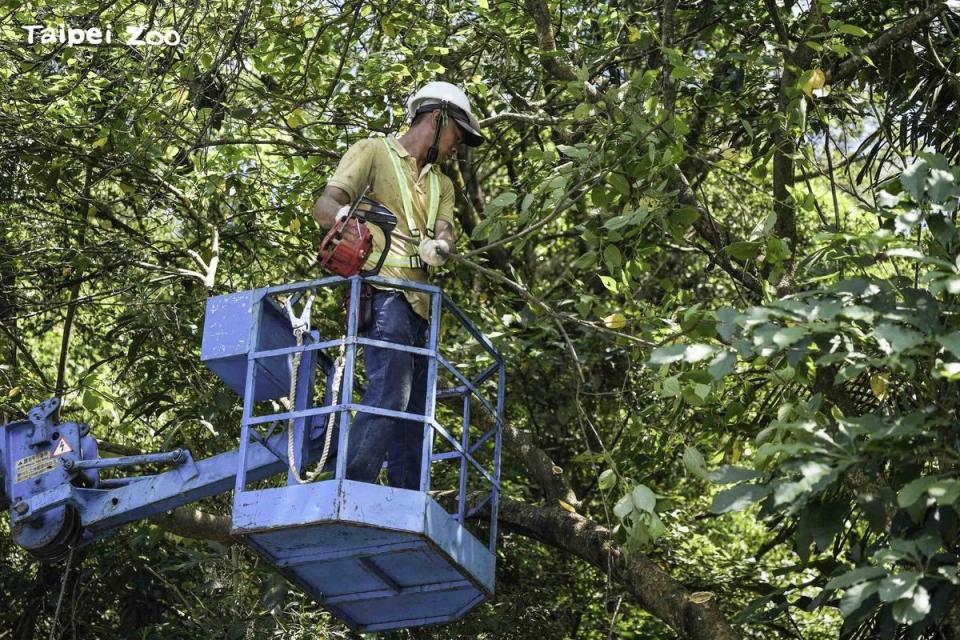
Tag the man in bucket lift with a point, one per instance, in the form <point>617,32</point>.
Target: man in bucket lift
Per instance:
<point>403,174</point>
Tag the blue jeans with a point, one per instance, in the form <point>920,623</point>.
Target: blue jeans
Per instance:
<point>396,380</point>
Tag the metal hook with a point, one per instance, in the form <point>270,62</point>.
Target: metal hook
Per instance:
<point>301,323</point>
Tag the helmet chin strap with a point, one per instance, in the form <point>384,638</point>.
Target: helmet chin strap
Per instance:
<point>434,151</point>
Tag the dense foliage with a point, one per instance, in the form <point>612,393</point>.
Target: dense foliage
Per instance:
<point>716,240</point>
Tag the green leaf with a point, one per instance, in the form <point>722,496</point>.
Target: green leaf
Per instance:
<point>643,498</point>
<point>91,400</point>
<point>912,610</point>
<point>851,30</point>
<point>738,498</point>
<point>572,152</point>
<point>723,364</point>
<point>728,475</point>
<point>612,258</point>
<point>670,387</point>
<point>607,479</point>
<point>618,182</point>
<point>813,475</point>
<point>778,250</point>
<point>685,216</point>
<point>527,201</point>
<point>743,250</point>
<point>787,336</point>
<point>617,222</point>
<point>504,200</point>
<point>697,352</point>
<point>898,586</point>
<point>912,492</point>
<point>945,492</point>
<point>858,575</point>
<point>895,339</point>
<point>819,523</point>
<point>676,352</point>
<point>694,463</point>
<point>586,261</point>
<point>583,110</point>
<point>667,355</point>
<point>858,596</point>
<point>627,219</point>
<point>914,178</point>
<point>609,283</point>
<point>941,185</point>
<point>624,507</point>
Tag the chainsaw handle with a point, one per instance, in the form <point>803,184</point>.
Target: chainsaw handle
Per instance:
<point>383,256</point>
<point>372,212</point>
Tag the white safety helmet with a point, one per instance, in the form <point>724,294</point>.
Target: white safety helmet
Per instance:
<point>458,108</point>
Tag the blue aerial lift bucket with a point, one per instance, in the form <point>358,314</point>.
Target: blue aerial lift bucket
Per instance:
<point>378,557</point>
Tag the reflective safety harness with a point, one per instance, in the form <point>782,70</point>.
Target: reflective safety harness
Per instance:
<point>411,261</point>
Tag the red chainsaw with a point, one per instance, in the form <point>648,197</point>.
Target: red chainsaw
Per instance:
<point>349,242</point>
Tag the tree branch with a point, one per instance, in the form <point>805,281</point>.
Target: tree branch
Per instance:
<point>556,63</point>
<point>774,11</point>
<point>667,28</point>
<point>846,69</point>
<point>653,589</point>
<point>719,238</point>
<point>188,522</point>
<point>530,118</point>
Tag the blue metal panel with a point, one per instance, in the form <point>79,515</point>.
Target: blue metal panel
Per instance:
<point>460,545</point>
<point>411,609</point>
<point>227,340</point>
<point>380,557</point>
<point>386,507</point>
<point>409,568</point>
<point>431,399</point>
<point>348,374</point>
<point>338,577</point>
<point>284,506</point>
<point>150,496</point>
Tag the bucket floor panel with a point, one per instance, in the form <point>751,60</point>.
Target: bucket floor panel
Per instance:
<point>374,579</point>
<point>379,558</point>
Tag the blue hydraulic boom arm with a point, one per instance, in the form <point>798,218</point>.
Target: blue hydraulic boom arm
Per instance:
<point>51,482</point>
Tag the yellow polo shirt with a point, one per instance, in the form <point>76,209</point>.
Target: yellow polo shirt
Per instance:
<point>367,163</point>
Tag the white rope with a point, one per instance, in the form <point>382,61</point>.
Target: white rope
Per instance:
<point>301,326</point>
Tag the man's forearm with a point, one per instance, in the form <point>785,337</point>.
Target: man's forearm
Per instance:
<point>327,205</point>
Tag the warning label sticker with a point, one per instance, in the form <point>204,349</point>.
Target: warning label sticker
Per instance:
<point>62,447</point>
<point>33,466</point>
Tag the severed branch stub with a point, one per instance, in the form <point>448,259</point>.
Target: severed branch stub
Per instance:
<point>207,273</point>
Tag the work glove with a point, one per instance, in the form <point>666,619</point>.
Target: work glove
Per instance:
<point>350,232</point>
<point>434,252</point>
